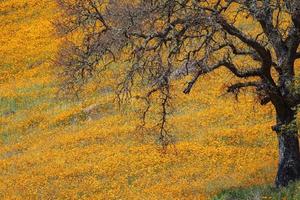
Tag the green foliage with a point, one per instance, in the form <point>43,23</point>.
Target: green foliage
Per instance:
<point>261,192</point>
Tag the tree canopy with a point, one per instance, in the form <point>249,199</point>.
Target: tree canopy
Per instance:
<point>256,40</point>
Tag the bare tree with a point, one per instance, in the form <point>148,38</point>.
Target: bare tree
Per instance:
<point>164,40</point>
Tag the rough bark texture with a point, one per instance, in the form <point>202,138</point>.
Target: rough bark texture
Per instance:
<point>289,156</point>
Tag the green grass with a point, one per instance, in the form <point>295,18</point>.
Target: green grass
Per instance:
<point>292,192</point>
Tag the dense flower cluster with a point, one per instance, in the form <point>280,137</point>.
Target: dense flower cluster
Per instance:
<point>49,149</point>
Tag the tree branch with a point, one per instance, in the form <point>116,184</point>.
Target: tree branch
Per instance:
<point>264,16</point>
<point>293,39</point>
<point>232,30</point>
<point>204,70</point>
<point>242,74</point>
<point>237,86</point>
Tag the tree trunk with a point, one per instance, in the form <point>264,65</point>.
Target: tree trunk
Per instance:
<point>289,156</point>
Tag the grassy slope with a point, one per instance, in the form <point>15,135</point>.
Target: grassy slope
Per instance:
<point>264,192</point>
<point>49,150</point>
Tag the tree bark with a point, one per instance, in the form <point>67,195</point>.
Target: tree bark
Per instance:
<point>289,156</point>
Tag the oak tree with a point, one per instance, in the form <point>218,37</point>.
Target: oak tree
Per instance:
<point>164,40</point>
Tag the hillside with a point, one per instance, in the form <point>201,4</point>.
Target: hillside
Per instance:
<point>53,148</point>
